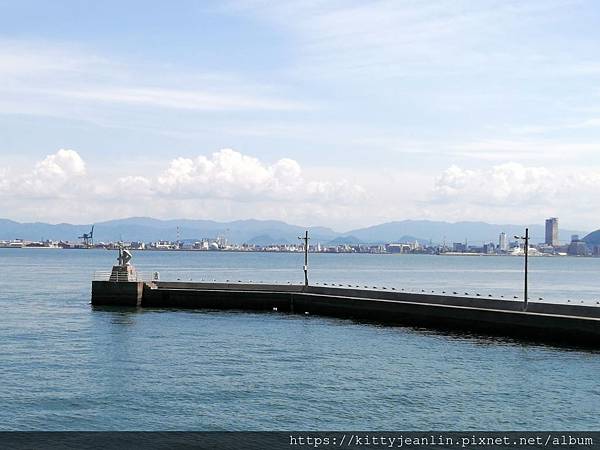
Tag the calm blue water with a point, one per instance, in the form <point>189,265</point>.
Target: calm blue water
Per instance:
<point>65,366</point>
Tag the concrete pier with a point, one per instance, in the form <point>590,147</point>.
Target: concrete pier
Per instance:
<point>117,293</point>
<point>542,321</point>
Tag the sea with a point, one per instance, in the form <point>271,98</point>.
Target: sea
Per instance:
<point>65,365</point>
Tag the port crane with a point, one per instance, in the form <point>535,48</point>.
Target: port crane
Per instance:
<point>88,238</point>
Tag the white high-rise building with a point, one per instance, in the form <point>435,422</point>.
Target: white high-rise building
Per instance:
<point>503,242</point>
<point>552,231</point>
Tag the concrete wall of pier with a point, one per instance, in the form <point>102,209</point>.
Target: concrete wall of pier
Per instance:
<point>117,293</point>
<point>504,317</point>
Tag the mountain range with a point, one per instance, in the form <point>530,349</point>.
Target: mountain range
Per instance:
<point>264,232</point>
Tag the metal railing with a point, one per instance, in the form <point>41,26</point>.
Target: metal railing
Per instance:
<point>107,275</point>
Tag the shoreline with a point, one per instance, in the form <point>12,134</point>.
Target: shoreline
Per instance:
<point>454,254</point>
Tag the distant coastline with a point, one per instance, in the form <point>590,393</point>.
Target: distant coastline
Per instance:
<point>453,254</point>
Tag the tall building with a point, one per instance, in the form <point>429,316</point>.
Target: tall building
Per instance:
<point>552,231</point>
<point>503,242</point>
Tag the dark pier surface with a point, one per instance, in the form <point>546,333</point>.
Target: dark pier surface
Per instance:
<point>558,323</point>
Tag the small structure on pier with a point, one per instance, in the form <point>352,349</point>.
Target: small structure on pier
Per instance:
<point>123,287</point>
<point>124,271</point>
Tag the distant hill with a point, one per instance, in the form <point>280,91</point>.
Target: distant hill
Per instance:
<point>10,229</point>
<point>345,240</point>
<point>474,232</point>
<point>593,238</point>
<point>147,229</point>
<point>265,232</point>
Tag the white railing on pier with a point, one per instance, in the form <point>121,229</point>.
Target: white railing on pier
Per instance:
<point>107,275</point>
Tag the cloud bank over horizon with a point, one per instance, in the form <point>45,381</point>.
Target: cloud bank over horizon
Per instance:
<point>229,185</point>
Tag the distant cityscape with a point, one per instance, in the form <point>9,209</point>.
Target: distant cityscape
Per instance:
<point>505,245</point>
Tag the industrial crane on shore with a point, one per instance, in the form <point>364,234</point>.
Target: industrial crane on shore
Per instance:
<point>88,238</point>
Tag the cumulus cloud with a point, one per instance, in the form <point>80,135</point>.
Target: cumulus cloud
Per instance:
<point>57,175</point>
<point>508,183</point>
<point>511,184</point>
<point>228,174</point>
<point>63,164</point>
<point>515,193</point>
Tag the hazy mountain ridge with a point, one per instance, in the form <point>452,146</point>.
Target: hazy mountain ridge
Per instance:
<point>593,238</point>
<point>148,229</point>
<point>270,231</point>
<point>438,231</point>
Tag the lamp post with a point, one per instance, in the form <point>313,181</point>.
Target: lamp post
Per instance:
<point>526,241</point>
<point>305,238</point>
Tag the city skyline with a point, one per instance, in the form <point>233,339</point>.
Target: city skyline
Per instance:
<point>349,114</point>
<point>588,246</point>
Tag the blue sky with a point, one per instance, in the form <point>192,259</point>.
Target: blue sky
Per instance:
<point>335,113</point>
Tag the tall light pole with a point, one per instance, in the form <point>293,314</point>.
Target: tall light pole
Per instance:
<point>305,238</point>
<point>526,240</point>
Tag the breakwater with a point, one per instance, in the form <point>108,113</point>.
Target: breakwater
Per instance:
<point>542,321</point>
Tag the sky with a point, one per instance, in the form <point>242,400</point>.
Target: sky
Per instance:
<point>333,113</point>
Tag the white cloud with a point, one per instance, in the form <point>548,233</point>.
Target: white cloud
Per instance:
<point>66,81</point>
<point>522,150</point>
<point>514,193</point>
<point>225,174</point>
<point>3,180</point>
<point>228,174</point>
<point>504,184</point>
<point>23,60</point>
<point>64,164</point>
<point>588,123</point>
<point>190,99</point>
<point>61,174</point>
<point>384,39</point>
